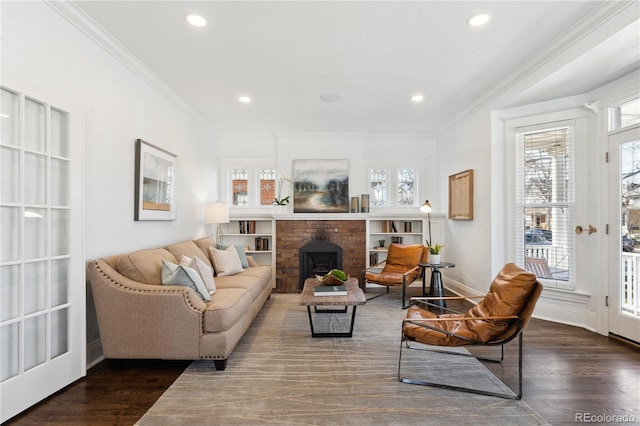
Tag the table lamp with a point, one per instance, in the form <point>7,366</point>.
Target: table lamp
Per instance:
<point>216,213</point>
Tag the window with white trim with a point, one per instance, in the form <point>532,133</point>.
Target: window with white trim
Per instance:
<point>545,201</point>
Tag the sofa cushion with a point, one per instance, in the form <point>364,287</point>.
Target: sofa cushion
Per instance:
<point>189,249</point>
<point>173,274</point>
<point>241,254</point>
<point>253,283</point>
<point>226,262</point>
<point>204,244</point>
<point>144,266</point>
<point>205,271</point>
<point>227,307</point>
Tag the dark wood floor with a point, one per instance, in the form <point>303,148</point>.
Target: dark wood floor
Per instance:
<point>567,370</point>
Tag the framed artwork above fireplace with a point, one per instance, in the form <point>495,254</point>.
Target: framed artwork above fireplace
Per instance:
<point>321,186</point>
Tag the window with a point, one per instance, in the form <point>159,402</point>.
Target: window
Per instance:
<point>624,115</point>
<point>406,187</point>
<point>403,179</point>
<point>545,201</point>
<point>239,187</point>
<point>378,185</point>
<point>267,186</point>
<point>248,182</point>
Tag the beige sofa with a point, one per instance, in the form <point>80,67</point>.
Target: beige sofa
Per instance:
<point>138,317</point>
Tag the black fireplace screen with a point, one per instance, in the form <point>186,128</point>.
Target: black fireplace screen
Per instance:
<point>318,258</point>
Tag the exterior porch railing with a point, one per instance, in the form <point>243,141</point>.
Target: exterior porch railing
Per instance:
<point>630,300</point>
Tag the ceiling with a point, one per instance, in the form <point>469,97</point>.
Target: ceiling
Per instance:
<point>374,55</point>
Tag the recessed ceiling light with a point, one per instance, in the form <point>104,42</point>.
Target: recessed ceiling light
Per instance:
<point>330,97</point>
<point>477,20</point>
<point>244,99</point>
<point>196,20</point>
<point>417,98</point>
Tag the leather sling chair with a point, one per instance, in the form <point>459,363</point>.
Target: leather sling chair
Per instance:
<point>501,316</point>
<point>400,267</point>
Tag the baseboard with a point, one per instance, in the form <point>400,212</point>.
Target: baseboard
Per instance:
<point>460,289</point>
<point>94,353</point>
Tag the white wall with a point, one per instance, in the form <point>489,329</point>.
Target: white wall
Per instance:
<point>46,57</point>
<point>361,149</point>
<point>466,145</point>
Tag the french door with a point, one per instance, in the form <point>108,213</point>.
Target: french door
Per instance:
<point>624,259</point>
<point>42,285</point>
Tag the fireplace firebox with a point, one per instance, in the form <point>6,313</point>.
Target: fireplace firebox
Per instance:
<point>318,258</point>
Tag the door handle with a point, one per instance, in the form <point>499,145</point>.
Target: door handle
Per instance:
<point>579,229</point>
<point>592,229</point>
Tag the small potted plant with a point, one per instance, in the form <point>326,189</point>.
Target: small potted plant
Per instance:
<point>434,252</point>
<point>381,243</point>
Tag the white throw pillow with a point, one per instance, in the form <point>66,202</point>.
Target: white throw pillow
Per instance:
<point>173,274</point>
<point>205,271</point>
<point>227,261</point>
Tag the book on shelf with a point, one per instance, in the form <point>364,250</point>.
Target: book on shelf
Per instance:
<point>330,290</point>
<point>262,244</point>
<point>247,226</point>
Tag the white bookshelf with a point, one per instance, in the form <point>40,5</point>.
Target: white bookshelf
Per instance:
<point>256,234</point>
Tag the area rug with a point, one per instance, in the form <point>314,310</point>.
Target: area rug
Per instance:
<point>279,374</point>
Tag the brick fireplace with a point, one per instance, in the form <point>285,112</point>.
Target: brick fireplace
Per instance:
<point>291,235</point>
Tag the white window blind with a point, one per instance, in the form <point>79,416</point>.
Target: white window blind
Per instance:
<point>545,201</point>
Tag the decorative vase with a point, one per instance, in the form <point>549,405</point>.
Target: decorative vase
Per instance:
<point>281,208</point>
<point>434,259</point>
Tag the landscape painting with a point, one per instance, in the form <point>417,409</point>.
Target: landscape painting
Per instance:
<point>321,186</point>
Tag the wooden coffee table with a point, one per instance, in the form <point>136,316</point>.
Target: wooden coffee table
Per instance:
<point>354,297</point>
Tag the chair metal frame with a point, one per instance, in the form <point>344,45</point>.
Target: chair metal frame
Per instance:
<point>424,322</point>
<point>405,281</point>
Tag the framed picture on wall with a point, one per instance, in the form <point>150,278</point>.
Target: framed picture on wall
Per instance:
<point>461,195</point>
<point>321,186</point>
<point>155,183</point>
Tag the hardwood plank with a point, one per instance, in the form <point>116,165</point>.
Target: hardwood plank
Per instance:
<point>106,396</point>
<point>567,370</point>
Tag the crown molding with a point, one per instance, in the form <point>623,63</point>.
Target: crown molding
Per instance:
<point>83,22</point>
<point>579,32</point>
<point>319,133</point>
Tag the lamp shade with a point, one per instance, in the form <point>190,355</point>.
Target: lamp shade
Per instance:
<point>217,212</point>
<point>426,207</point>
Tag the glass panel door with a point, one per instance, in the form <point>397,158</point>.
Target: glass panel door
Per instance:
<point>624,264</point>
<point>41,282</point>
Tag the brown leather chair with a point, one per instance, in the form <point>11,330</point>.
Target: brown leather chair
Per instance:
<point>400,267</point>
<point>501,316</point>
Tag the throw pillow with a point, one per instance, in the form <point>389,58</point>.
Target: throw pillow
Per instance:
<point>205,271</point>
<point>240,250</point>
<point>173,274</point>
<point>226,262</point>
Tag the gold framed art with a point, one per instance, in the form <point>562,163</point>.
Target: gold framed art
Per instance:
<point>461,195</point>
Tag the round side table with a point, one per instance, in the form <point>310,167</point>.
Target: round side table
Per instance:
<point>436,288</point>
